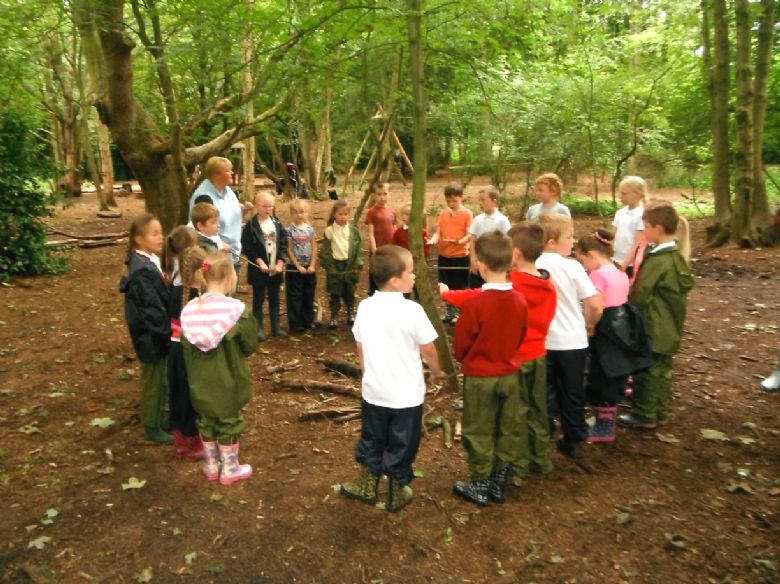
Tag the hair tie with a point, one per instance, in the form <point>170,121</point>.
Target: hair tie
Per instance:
<point>603,240</point>
<point>205,266</point>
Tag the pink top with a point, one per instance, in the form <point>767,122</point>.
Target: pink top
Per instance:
<point>612,283</point>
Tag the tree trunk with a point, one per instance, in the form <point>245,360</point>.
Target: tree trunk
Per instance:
<point>424,288</point>
<point>717,79</point>
<point>761,217</point>
<point>248,190</point>
<point>323,143</point>
<point>106,163</point>
<point>66,112</point>
<point>327,160</point>
<point>742,224</point>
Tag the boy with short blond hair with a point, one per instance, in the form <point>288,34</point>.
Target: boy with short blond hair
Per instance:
<point>488,335</point>
<point>491,219</point>
<point>567,338</point>
<point>661,294</point>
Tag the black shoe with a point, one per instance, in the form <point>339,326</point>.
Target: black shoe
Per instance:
<point>631,421</point>
<point>570,449</point>
<point>333,324</point>
<point>498,482</point>
<point>475,491</point>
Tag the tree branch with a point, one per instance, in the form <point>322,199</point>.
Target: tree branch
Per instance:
<point>197,154</point>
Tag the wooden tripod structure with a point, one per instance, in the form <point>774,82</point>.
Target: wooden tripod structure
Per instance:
<point>382,163</point>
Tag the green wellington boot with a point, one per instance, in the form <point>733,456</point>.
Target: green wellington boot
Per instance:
<point>364,489</point>
<point>398,496</point>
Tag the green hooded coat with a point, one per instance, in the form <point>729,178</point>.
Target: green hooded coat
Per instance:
<point>220,384</point>
<point>661,293</point>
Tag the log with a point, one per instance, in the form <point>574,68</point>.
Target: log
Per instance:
<point>51,229</point>
<point>63,243</point>
<point>327,413</point>
<point>343,367</point>
<point>309,386</point>
<point>100,243</point>
<point>109,214</point>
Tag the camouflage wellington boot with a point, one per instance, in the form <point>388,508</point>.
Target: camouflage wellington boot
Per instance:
<point>364,489</point>
<point>398,496</point>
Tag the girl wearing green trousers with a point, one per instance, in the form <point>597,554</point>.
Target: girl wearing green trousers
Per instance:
<point>146,311</point>
<point>218,334</point>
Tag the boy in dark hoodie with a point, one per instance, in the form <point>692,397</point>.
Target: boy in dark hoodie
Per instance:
<point>661,294</point>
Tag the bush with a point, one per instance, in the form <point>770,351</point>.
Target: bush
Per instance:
<point>587,206</point>
<point>23,203</point>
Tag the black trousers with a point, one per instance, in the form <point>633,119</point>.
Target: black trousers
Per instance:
<point>301,289</point>
<point>458,278</point>
<point>272,286</point>
<point>566,392</point>
<point>182,414</point>
<point>389,440</point>
<point>600,389</point>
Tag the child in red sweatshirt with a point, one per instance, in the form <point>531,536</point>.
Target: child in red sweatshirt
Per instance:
<point>537,288</point>
<point>488,336</point>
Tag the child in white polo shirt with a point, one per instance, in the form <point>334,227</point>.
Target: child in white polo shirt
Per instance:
<point>391,332</point>
<point>567,338</point>
<point>491,219</point>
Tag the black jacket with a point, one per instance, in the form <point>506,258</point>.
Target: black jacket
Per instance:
<point>621,343</point>
<point>253,247</point>
<point>146,309</point>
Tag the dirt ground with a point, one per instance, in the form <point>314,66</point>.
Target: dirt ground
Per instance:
<point>666,506</point>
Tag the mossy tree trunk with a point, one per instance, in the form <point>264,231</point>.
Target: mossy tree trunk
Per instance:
<point>424,287</point>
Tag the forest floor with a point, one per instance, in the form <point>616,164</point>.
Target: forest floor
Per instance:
<point>86,499</point>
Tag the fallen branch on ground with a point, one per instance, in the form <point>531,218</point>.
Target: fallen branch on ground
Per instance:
<point>327,413</point>
<point>343,367</point>
<point>313,386</point>
<point>294,364</point>
<point>51,229</point>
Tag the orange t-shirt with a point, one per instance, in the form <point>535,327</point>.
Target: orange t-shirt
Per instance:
<point>454,225</point>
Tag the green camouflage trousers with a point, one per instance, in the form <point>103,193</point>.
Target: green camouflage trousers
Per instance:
<point>653,391</point>
<point>495,423</point>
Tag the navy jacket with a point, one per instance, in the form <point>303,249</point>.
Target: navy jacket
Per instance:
<point>253,247</point>
<point>146,309</point>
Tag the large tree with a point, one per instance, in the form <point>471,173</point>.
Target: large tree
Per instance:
<point>161,155</point>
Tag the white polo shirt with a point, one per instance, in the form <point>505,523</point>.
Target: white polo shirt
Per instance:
<point>627,222</point>
<point>567,329</point>
<point>484,223</point>
<point>391,329</point>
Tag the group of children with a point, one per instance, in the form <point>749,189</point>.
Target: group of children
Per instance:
<point>541,337</point>
<point>529,321</point>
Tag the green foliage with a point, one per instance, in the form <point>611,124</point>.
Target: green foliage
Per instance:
<point>581,206</point>
<point>23,239</point>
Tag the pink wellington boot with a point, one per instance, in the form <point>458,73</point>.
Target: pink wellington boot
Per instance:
<point>604,429</point>
<point>211,466</point>
<point>232,471</point>
<point>194,449</point>
<point>179,444</point>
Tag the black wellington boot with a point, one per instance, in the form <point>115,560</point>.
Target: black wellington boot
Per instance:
<point>475,491</point>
